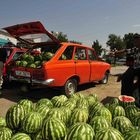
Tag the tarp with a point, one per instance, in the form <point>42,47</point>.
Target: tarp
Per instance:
<point>3,41</point>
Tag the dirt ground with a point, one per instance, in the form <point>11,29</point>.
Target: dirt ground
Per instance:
<point>104,91</point>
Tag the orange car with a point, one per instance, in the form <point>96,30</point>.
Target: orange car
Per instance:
<point>56,64</point>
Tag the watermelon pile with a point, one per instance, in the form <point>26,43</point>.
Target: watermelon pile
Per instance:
<point>34,60</point>
<point>78,117</point>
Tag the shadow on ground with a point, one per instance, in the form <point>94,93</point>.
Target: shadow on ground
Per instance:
<point>13,92</point>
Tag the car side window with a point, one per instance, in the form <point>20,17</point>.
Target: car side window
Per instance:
<point>80,54</point>
<point>67,54</point>
<point>16,55</point>
<point>91,55</point>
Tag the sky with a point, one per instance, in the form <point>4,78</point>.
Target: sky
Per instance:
<point>82,20</point>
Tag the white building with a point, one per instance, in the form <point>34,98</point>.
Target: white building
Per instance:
<point>7,36</point>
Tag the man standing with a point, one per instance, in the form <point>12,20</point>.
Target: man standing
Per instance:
<point>3,56</point>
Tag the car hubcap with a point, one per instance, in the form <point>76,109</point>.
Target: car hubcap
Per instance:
<point>70,88</point>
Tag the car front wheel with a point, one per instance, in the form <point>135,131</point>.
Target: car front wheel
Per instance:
<point>105,79</point>
<point>70,87</point>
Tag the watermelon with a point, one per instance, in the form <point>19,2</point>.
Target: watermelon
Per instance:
<point>20,136</point>
<point>114,100</point>
<point>57,113</point>
<point>94,95</point>
<point>38,57</point>
<point>27,105</point>
<point>32,123</point>
<point>118,111</point>
<point>29,58</point>
<point>132,134</point>
<point>71,104</point>
<point>125,100</point>
<point>47,56</point>
<point>2,122</point>
<point>109,134</point>
<point>44,101</point>
<point>77,96</point>
<point>67,114</point>
<point>18,63</point>
<point>111,107</point>
<point>59,100</point>
<point>24,56</point>
<point>82,103</point>
<point>53,129</point>
<point>91,100</point>
<point>121,123</point>
<point>23,63</point>
<point>38,63</point>
<point>105,113</point>
<point>136,119</point>
<point>95,108</point>
<point>80,131</point>
<point>37,136</point>
<point>63,57</point>
<point>99,122</point>
<point>43,110</point>
<point>131,110</point>
<point>31,65</point>
<point>14,116</point>
<point>5,133</point>
<point>79,115</point>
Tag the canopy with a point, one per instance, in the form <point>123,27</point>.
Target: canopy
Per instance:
<point>3,41</point>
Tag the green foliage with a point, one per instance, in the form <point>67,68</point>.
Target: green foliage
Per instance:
<point>97,47</point>
<point>115,42</point>
<point>60,36</point>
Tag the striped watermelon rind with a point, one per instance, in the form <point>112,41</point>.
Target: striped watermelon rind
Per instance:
<point>5,133</point>
<point>2,122</point>
<point>32,123</point>
<point>99,122</point>
<point>27,105</point>
<point>80,131</point>
<point>109,134</point>
<point>20,136</point>
<point>15,116</point>
<point>53,128</point>
<point>121,123</point>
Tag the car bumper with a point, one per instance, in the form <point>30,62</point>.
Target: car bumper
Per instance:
<point>32,81</point>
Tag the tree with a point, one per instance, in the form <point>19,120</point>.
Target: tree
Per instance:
<point>97,47</point>
<point>60,36</point>
<point>129,40</point>
<point>115,42</point>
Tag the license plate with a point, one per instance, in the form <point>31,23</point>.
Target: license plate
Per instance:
<point>23,73</point>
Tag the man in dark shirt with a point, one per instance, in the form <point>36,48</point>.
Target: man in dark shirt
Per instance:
<point>3,56</point>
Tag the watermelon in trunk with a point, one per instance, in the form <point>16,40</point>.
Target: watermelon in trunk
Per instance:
<point>125,100</point>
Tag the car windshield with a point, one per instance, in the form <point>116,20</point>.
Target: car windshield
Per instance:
<point>36,38</point>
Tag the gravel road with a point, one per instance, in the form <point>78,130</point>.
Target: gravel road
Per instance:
<point>104,92</point>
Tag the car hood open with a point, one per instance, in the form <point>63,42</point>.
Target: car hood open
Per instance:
<point>32,33</point>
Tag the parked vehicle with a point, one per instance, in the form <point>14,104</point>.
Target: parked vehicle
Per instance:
<point>12,54</point>
<point>57,64</point>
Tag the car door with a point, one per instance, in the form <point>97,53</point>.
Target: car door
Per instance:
<point>95,66</point>
<point>82,65</point>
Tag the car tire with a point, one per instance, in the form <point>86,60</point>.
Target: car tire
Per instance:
<point>70,87</point>
<point>105,79</point>
<point>25,88</point>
